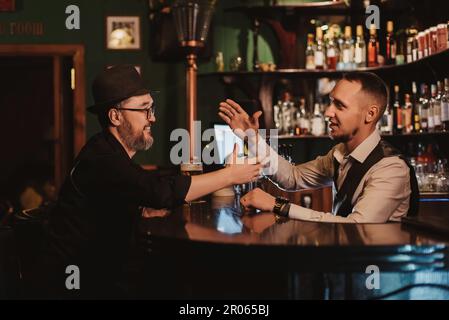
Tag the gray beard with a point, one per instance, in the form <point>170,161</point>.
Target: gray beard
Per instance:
<point>137,143</point>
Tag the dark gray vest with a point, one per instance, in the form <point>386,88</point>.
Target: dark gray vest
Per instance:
<point>343,199</point>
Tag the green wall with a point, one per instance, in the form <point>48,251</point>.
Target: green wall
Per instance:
<point>230,35</point>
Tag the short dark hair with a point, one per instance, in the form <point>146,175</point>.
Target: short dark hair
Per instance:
<point>371,84</point>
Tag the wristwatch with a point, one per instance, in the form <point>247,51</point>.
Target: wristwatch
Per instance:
<point>281,207</point>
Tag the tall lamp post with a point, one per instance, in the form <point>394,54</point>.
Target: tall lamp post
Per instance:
<point>192,20</point>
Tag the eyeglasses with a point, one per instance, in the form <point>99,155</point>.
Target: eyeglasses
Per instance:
<point>149,110</point>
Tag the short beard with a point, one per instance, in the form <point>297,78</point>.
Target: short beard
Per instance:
<point>344,138</point>
<point>340,139</point>
<point>137,143</point>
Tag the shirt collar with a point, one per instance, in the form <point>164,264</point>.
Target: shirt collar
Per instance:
<point>362,151</point>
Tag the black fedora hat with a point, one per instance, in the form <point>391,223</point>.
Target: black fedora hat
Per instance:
<point>114,85</point>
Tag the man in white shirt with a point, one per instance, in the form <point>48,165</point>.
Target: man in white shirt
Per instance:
<point>372,181</point>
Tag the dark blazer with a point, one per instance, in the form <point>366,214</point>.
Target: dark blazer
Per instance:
<point>98,207</point>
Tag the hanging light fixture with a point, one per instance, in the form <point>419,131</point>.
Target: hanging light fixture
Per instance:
<point>192,21</point>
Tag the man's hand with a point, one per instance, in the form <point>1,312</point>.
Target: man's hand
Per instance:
<point>243,170</point>
<point>237,172</point>
<point>258,199</point>
<point>233,114</point>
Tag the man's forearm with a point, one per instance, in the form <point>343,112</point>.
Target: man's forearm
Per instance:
<point>206,183</point>
<point>306,214</point>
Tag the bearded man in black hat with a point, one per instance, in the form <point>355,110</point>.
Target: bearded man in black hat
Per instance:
<point>102,198</point>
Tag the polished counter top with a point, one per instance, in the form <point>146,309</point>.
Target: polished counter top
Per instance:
<point>220,225</point>
<point>221,220</point>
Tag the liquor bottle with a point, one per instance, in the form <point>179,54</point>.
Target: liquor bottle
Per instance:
<point>412,48</point>
<point>397,112</point>
<point>319,49</point>
<point>286,114</point>
<point>340,41</point>
<point>292,111</point>
<point>431,114</point>
<point>433,45</point>
<point>331,52</point>
<point>400,47</point>
<point>387,121</point>
<point>304,120</point>
<point>348,50</point>
<point>436,105</point>
<point>286,117</point>
<point>407,114</point>
<point>420,153</point>
<point>340,64</point>
<point>390,55</point>
<point>445,106</point>
<point>416,118</point>
<point>423,107</point>
<point>360,49</point>
<point>373,47</point>
<point>442,35</point>
<point>409,57</point>
<point>426,42</point>
<point>310,54</point>
<point>318,124</point>
<point>415,53</point>
<point>421,44</point>
<point>429,154</point>
<point>277,115</point>
<point>298,122</point>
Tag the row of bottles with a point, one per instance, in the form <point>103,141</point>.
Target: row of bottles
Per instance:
<point>293,118</point>
<point>426,111</point>
<point>430,41</point>
<point>340,51</point>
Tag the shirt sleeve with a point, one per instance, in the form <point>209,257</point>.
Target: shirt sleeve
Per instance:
<point>387,187</point>
<point>313,174</point>
<point>113,178</point>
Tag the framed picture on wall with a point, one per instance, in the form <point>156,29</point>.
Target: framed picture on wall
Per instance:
<point>123,33</point>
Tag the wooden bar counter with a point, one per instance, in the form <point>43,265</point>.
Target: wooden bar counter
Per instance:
<point>216,250</point>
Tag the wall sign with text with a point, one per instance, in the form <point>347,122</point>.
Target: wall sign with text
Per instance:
<point>7,5</point>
